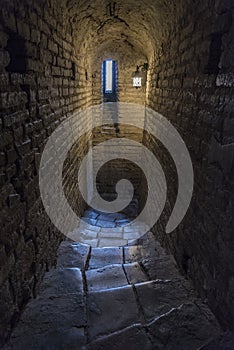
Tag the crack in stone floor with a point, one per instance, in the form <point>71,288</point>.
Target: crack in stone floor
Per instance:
<point>114,298</point>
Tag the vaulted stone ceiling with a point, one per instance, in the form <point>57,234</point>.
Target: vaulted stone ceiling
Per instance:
<point>137,25</point>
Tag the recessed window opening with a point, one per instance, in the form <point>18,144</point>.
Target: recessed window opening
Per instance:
<point>109,76</point>
<point>17,51</point>
<point>110,81</point>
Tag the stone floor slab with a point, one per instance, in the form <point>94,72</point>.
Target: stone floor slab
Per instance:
<point>89,234</point>
<point>133,253</point>
<point>103,223</point>
<point>72,339</point>
<point>183,328</point>
<point>131,338</point>
<point>112,242</point>
<point>160,296</point>
<point>90,221</point>
<point>108,234</point>
<point>111,310</point>
<point>101,257</point>
<point>131,235</point>
<point>146,250</point>
<point>111,276</point>
<point>62,281</point>
<point>87,226</point>
<point>71,254</point>
<point>161,268</point>
<point>91,214</point>
<point>107,217</point>
<point>107,230</point>
<point>134,273</point>
<point>51,314</point>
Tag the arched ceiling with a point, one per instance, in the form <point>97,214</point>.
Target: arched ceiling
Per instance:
<point>138,24</point>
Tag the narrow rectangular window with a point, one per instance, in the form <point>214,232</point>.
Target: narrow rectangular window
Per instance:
<point>109,76</point>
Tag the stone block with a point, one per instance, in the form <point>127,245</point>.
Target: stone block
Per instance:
<point>105,256</point>
<point>132,338</point>
<point>63,281</point>
<point>110,276</point>
<point>134,273</point>
<point>107,311</point>
<point>160,296</point>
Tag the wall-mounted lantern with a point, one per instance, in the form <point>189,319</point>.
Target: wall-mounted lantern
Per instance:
<point>139,76</point>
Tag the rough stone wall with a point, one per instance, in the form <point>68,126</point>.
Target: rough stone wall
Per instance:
<point>192,84</point>
<point>41,83</point>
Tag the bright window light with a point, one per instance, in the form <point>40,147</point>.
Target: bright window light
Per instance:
<point>109,76</point>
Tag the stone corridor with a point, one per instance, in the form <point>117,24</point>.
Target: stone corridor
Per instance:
<point>167,67</point>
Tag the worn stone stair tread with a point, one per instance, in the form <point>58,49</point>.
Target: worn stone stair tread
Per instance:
<point>101,257</point>
<point>134,273</point>
<point>185,327</point>
<point>160,296</point>
<point>106,277</point>
<point>47,316</point>
<point>161,267</point>
<point>140,252</point>
<point>133,337</point>
<point>111,310</point>
<point>71,254</point>
<point>62,281</point>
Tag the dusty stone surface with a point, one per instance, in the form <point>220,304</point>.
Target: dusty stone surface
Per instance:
<point>135,273</point>
<point>105,256</point>
<point>184,327</point>
<point>71,254</point>
<point>112,276</point>
<point>166,293</point>
<point>107,302</point>
<point>62,281</point>
<point>107,311</point>
<point>133,338</point>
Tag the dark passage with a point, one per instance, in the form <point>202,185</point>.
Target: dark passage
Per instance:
<point>116,289</point>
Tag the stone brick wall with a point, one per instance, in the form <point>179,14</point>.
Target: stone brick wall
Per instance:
<point>42,81</point>
<point>192,84</point>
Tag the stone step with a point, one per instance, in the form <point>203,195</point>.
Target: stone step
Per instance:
<point>144,301</point>
<point>72,254</point>
<point>114,276</point>
<point>51,322</point>
<point>160,267</point>
<point>178,322</point>
<point>111,310</point>
<point>135,273</point>
<point>160,296</point>
<point>188,326</point>
<point>132,338</point>
<point>62,281</point>
<point>101,257</point>
<point>110,276</point>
